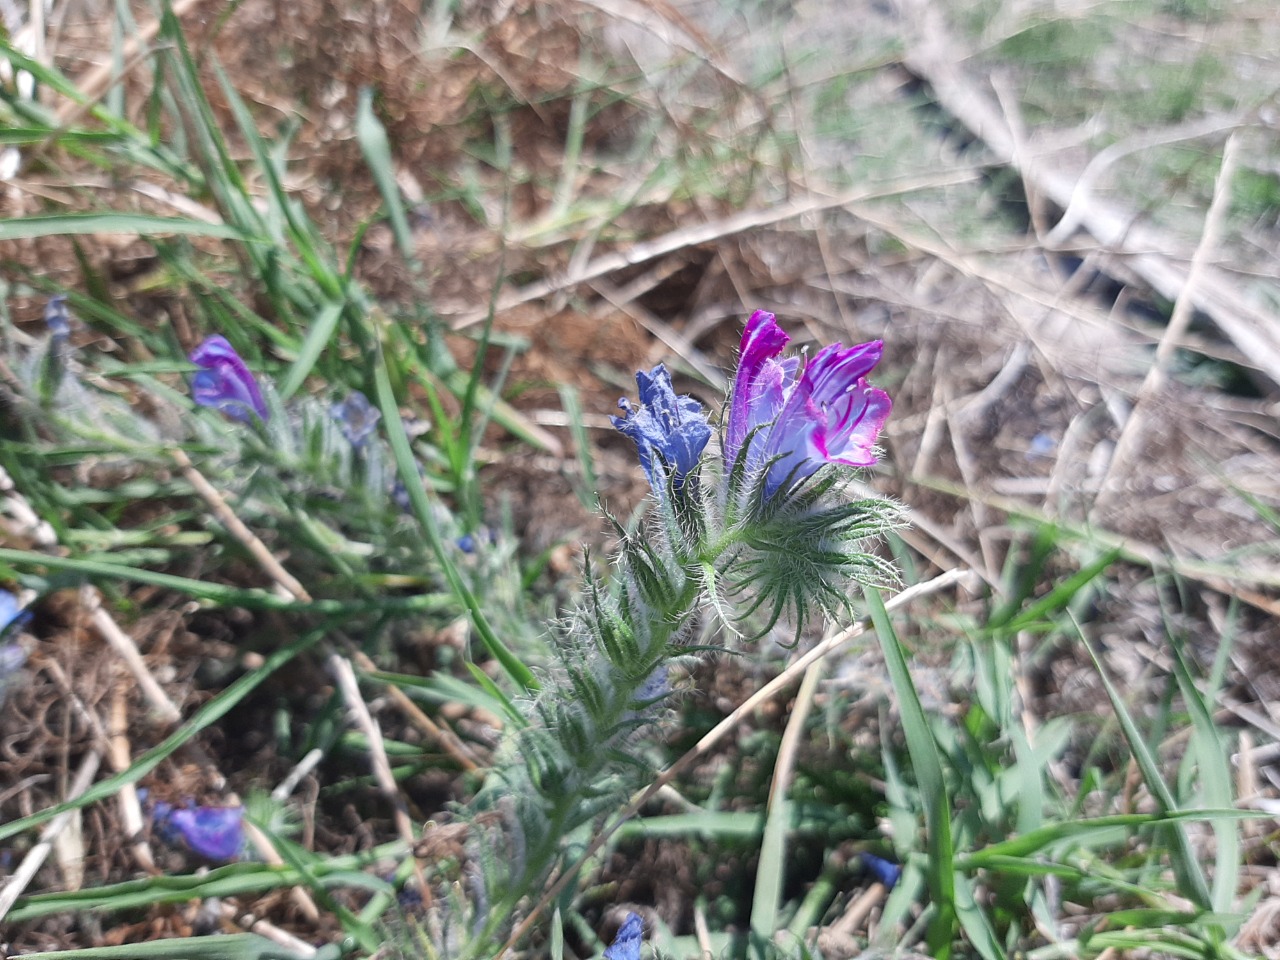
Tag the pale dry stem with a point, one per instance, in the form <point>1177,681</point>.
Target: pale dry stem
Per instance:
<point>1133,433</point>
<point>37,855</point>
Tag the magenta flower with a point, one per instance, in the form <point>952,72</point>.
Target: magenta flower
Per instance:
<point>794,421</point>
<point>671,427</point>
<point>224,382</point>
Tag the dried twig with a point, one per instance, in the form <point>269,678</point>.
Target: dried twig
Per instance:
<point>37,855</point>
<point>123,644</point>
<point>465,314</point>
<point>933,56</point>
<point>1132,434</point>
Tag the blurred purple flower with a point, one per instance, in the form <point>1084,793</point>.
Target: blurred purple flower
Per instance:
<point>796,420</point>
<point>626,945</point>
<point>674,428</point>
<point>224,382</point>
<point>357,418</point>
<point>215,833</point>
<point>10,610</point>
<point>12,656</point>
<point>655,686</point>
<point>884,872</point>
<point>57,318</point>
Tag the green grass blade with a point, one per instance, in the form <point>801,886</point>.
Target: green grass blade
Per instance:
<point>236,946</point>
<point>408,470</point>
<point>1186,865</point>
<point>318,337</point>
<point>372,137</point>
<point>1062,594</point>
<point>927,763</point>
<point>771,871</point>
<point>1215,783</point>
<point>232,880</point>
<point>69,224</point>
<point>588,484</point>
<point>219,593</point>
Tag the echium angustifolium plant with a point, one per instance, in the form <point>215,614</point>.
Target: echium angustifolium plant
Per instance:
<point>315,468</point>
<point>757,534</point>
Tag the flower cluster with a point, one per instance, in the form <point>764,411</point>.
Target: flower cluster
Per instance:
<point>792,421</point>
<point>764,525</point>
<point>786,420</point>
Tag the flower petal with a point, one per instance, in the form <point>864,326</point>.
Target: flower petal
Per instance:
<point>762,340</point>
<point>851,435</point>
<point>829,414</point>
<point>224,382</point>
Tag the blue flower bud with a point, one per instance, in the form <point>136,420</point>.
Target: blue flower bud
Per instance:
<point>357,417</point>
<point>57,318</point>
<point>215,833</point>
<point>674,428</point>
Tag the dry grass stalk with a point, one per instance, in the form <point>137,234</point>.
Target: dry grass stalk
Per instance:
<point>933,56</point>
<point>37,855</point>
<point>1132,434</point>
<point>123,644</point>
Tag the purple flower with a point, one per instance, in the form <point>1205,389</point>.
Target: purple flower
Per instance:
<point>215,833</point>
<point>796,420</point>
<point>674,428</point>
<point>224,382</point>
<point>356,417</point>
<point>626,945</point>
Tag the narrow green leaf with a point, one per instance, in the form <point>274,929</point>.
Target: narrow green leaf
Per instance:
<point>236,946</point>
<point>237,879</point>
<point>1215,783</point>
<point>771,871</point>
<point>408,470</point>
<point>927,764</point>
<point>1062,594</point>
<point>318,337</point>
<point>1186,865</point>
<point>372,137</point>
<point>61,224</point>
